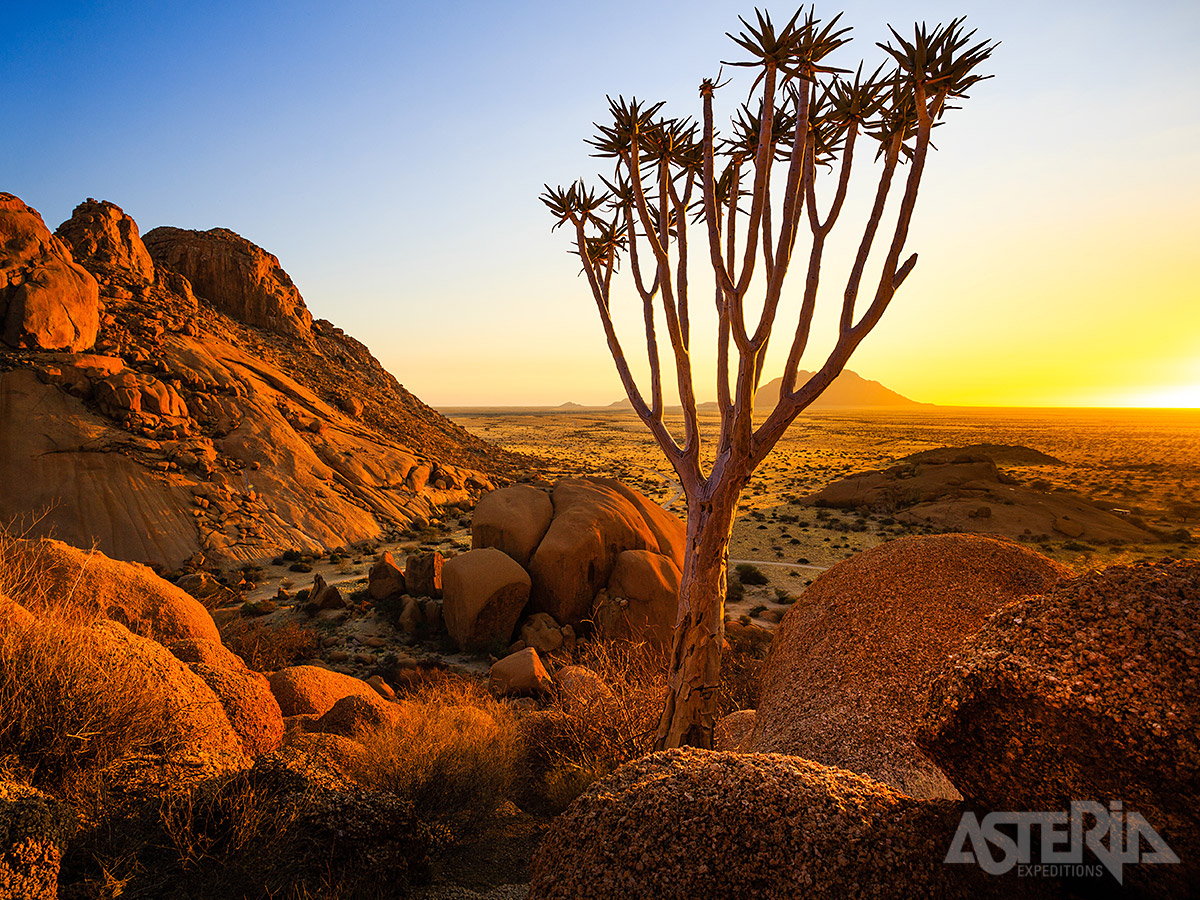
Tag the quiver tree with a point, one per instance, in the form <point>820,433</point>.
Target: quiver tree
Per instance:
<point>754,191</point>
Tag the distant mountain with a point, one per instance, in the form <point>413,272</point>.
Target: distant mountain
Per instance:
<point>570,405</point>
<point>848,390</point>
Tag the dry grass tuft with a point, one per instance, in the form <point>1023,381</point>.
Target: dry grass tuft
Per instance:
<point>23,575</point>
<point>266,648</point>
<point>569,745</point>
<point>454,756</point>
<point>64,711</point>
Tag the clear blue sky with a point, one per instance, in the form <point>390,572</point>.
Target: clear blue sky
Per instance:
<point>391,156</point>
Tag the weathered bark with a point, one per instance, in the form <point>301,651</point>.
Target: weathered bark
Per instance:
<point>692,682</point>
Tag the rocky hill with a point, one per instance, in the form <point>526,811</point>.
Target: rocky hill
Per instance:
<point>172,396</point>
<point>963,489</point>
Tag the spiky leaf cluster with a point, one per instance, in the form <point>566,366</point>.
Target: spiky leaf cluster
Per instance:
<point>935,64</point>
<point>941,60</point>
<point>796,50</point>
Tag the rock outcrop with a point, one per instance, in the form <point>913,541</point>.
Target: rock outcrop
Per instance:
<point>963,489</point>
<point>245,696</point>
<point>843,682</point>
<point>1088,692</point>
<point>595,520</point>
<point>34,829</point>
<point>100,233</point>
<point>189,431</point>
<point>386,578</point>
<point>423,574</point>
<point>519,674</point>
<point>694,823</point>
<point>640,602</point>
<point>201,728</point>
<point>47,301</point>
<point>124,592</point>
<point>238,277</point>
<point>356,713</point>
<point>312,690</point>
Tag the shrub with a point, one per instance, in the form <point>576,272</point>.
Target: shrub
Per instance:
<point>454,755</point>
<point>64,711</point>
<point>750,574</point>
<point>265,648</point>
<point>734,591</point>
<point>570,745</point>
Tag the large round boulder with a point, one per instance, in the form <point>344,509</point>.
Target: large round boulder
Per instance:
<point>102,235</point>
<point>304,690</point>
<point>354,714</point>
<point>47,300</point>
<point>236,276</point>
<point>1089,692</point>
<point>483,592</point>
<point>125,592</point>
<point>595,520</point>
<point>694,823</point>
<point>513,519</point>
<point>642,599</point>
<point>842,684</point>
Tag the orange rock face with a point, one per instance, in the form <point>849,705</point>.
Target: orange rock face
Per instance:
<point>47,301</point>
<point>641,603</point>
<point>513,519</point>
<point>187,430</point>
<point>100,234</point>
<point>125,592</point>
<point>485,591</point>
<point>303,690</point>
<point>236,276</point>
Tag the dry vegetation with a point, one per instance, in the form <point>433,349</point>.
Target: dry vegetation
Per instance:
<point>65,711</point>
<point>268,648</point>
<point>454,755</point>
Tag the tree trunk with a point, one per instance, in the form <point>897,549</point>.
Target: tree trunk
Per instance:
<point>691,707</point>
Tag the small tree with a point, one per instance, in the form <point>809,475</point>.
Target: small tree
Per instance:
<point>804,114</point>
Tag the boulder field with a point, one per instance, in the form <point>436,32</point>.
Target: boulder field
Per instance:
<point>123,617</point>
<point>158,418</point>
